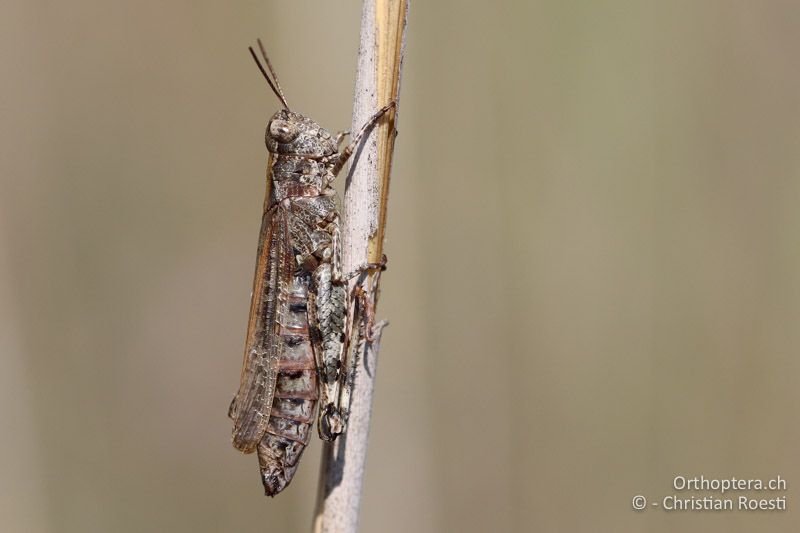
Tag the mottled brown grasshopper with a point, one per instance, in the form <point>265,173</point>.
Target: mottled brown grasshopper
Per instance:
<point>301,314</point>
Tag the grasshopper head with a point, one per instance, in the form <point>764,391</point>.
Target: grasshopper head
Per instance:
<point>290,133</point>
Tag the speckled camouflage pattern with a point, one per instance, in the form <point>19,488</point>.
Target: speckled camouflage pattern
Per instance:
<point>295,345</point>
<point>295,339</point>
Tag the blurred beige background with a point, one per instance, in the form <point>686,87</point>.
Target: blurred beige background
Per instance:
<point>594,277</point>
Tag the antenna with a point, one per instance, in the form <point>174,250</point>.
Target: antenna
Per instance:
<point>272,71</point>
<point>276,88</point>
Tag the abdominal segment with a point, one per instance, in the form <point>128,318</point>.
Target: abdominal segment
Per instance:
<point>295,400</point>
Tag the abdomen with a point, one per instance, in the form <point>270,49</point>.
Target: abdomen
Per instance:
<point>295,399</point>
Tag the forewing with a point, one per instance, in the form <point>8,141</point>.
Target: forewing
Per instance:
<point>274,267</point>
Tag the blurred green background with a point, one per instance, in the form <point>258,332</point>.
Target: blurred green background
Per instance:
<point>594,277</point>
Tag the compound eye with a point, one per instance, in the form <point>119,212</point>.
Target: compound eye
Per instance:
<point>283,131</point>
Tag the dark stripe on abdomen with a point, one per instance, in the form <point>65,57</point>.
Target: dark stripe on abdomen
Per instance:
<point>295,400</point>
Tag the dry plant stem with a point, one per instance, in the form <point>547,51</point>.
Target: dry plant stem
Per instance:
<point>380,56</point>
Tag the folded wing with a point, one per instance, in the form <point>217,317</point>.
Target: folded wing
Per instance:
<point>251,408</point>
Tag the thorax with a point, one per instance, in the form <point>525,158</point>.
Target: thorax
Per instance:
<point>297,176</point>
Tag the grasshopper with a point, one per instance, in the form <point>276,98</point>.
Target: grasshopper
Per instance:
<point>301,314</point>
